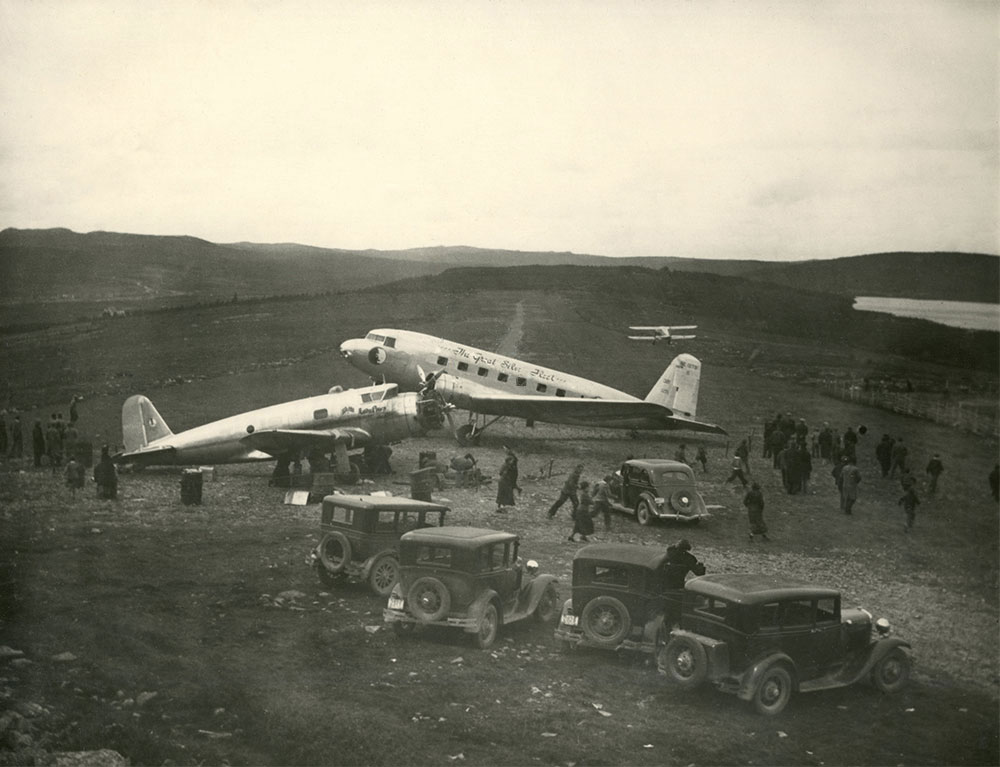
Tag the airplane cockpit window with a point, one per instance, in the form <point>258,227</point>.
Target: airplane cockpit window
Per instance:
<point>366,397</point>
<point>319,415</point>
<point>442,361</point>
<point>375,337</point>
<point>541,388</point>
<point>390,342</point>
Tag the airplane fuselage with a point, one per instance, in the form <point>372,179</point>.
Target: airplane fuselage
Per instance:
<point>379,410</point>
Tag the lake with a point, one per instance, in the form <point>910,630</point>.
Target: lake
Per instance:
<point>958,314</point>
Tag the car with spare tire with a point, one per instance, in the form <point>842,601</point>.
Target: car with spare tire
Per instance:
<point>765,637</point>
<point>468,578</point>
<point>658,488</point>
<point>619,599</point>
<point>361,536</point>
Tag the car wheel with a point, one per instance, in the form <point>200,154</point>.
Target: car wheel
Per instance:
<point>773,691</point>
<point>384,574</point>
<point>547,609</point>
<point>488,624</point>
<point>428,599</point>
<point>684,662</point>
<point>335,552</point>
<point>892,671</point>
<point>605,621</point>
<point>643,512</point>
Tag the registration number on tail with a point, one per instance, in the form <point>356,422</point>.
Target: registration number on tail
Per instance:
<point>395,603</point>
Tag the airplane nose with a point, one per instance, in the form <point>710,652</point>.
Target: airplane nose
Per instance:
<point>353,347</point>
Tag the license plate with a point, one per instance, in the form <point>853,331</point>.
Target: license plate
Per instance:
<point>395,603</point>
<point>571,620</point>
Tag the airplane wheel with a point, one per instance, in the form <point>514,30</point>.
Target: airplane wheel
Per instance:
<point>351,477</point>
<point>467,435</point>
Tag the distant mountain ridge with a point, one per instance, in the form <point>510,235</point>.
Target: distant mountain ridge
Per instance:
<point>59,264</point>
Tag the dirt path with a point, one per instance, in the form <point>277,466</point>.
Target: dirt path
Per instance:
<point>508,344</point>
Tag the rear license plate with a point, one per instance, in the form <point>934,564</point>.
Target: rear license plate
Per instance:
<point>395,603</point>
<point>571,620</point>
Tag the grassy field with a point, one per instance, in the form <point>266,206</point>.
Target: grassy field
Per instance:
<point>199,636</point>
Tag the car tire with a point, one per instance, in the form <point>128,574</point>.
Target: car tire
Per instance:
<point>334,552</point>
<point>605,621</point>
<point>547,609</point>
<point>489,624</point>
<point>681,501</point>
<point>684,662</point>
<point>428,599</point>
<point>383,575</point>
<point>892,671</point>
<point>644,512</point>
<point>773,691</point>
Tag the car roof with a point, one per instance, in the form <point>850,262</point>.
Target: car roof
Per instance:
<point>753,588</point>
<point>457,534</point>
<point>658,463</point>
<point>390,502</point>
<point>624,553</point>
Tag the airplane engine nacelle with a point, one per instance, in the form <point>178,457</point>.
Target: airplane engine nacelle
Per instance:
<point>406,415</point>
<point>454,390</point>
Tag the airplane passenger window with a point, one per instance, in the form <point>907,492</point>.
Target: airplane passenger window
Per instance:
<point>502,377</point>
<point>442,361</point>
<point>560,392</point>
<point>522,381</point>
<point>319,415</point>
<point>463,365</point>
<point>541,387</point>
<point>483,372</point>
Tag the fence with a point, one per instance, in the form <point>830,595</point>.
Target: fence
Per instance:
<point>977,418</point>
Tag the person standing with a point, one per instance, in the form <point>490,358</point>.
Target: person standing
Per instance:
<point>53,446</point>
<point>602,501</point>
<point>826,442</point>
<point>507,482</point>
<point>883,453</point>
<point>934,469</point>
<point>583,521</point>
<point>909,502</point>
<point>899,453</point>
<point>3,433</point>
<point>568,492</point>
<point>38,442</point>
<point>805,467</point>
<point>74,414</point>
<point>850,478</point>
<point>702,458</point>
<point>754,501</point>
<point>75,475</point>
<point>106,477</point>
<point>17,439</point>
<point>995,482</point>
<point>679,562</point>
<point>680,454</point>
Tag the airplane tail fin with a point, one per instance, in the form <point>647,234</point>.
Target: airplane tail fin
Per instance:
<point>677,388</point>
<point>141,423</point>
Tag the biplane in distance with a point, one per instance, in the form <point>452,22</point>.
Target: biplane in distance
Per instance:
<point>666,333</point>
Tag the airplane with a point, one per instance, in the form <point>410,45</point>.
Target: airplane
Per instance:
<point>662,332</point>
<point>488,384</point>
<point>333,422</point>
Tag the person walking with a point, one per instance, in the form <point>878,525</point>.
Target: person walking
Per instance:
<point>568,492</point>
<point>736,471</point>
<point>583,520</point>
<point>899,453</point>
<point>850,478</point>
<point>909,502</point>
<point>934,469</point>
<point>754,501</point>
<point>106,477</point>
<point>507,482</point>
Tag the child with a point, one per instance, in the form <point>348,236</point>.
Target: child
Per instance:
<point>909,502</point>
<point>583,522</point>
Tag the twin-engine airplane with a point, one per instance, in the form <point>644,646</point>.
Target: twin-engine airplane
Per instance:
<point>328,423</point>
<point>488,384</point>
<point>662,332</point>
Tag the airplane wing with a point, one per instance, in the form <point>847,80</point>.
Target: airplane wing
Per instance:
<point>278,441</point>
<point>590,412</point>
<point>645,327</point>
<point>643,338</point>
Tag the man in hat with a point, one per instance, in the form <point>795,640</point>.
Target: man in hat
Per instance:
<point>678,563</point>
<point>850,477</point>
<point>568,492</point>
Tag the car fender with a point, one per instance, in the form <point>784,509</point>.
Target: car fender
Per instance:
<point>876,651</point>
<point>750,678</point>
<point>478,605</point>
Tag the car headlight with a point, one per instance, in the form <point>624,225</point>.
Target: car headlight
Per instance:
<point>659,501</point>
<point>531,566</point>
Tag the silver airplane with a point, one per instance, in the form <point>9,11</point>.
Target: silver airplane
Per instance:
<point>332,422</point>
<point>489,384</point>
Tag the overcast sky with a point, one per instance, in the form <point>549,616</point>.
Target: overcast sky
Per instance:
<point>776,130</point>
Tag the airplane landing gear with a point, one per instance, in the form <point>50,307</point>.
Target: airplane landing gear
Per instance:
<point>468,434</point>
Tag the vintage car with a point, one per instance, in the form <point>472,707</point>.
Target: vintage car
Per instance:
<point>619,600</point>
<point>657,488</point>
<point>470,578</point>
<point>361,536</point>
<point>764,637</point>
